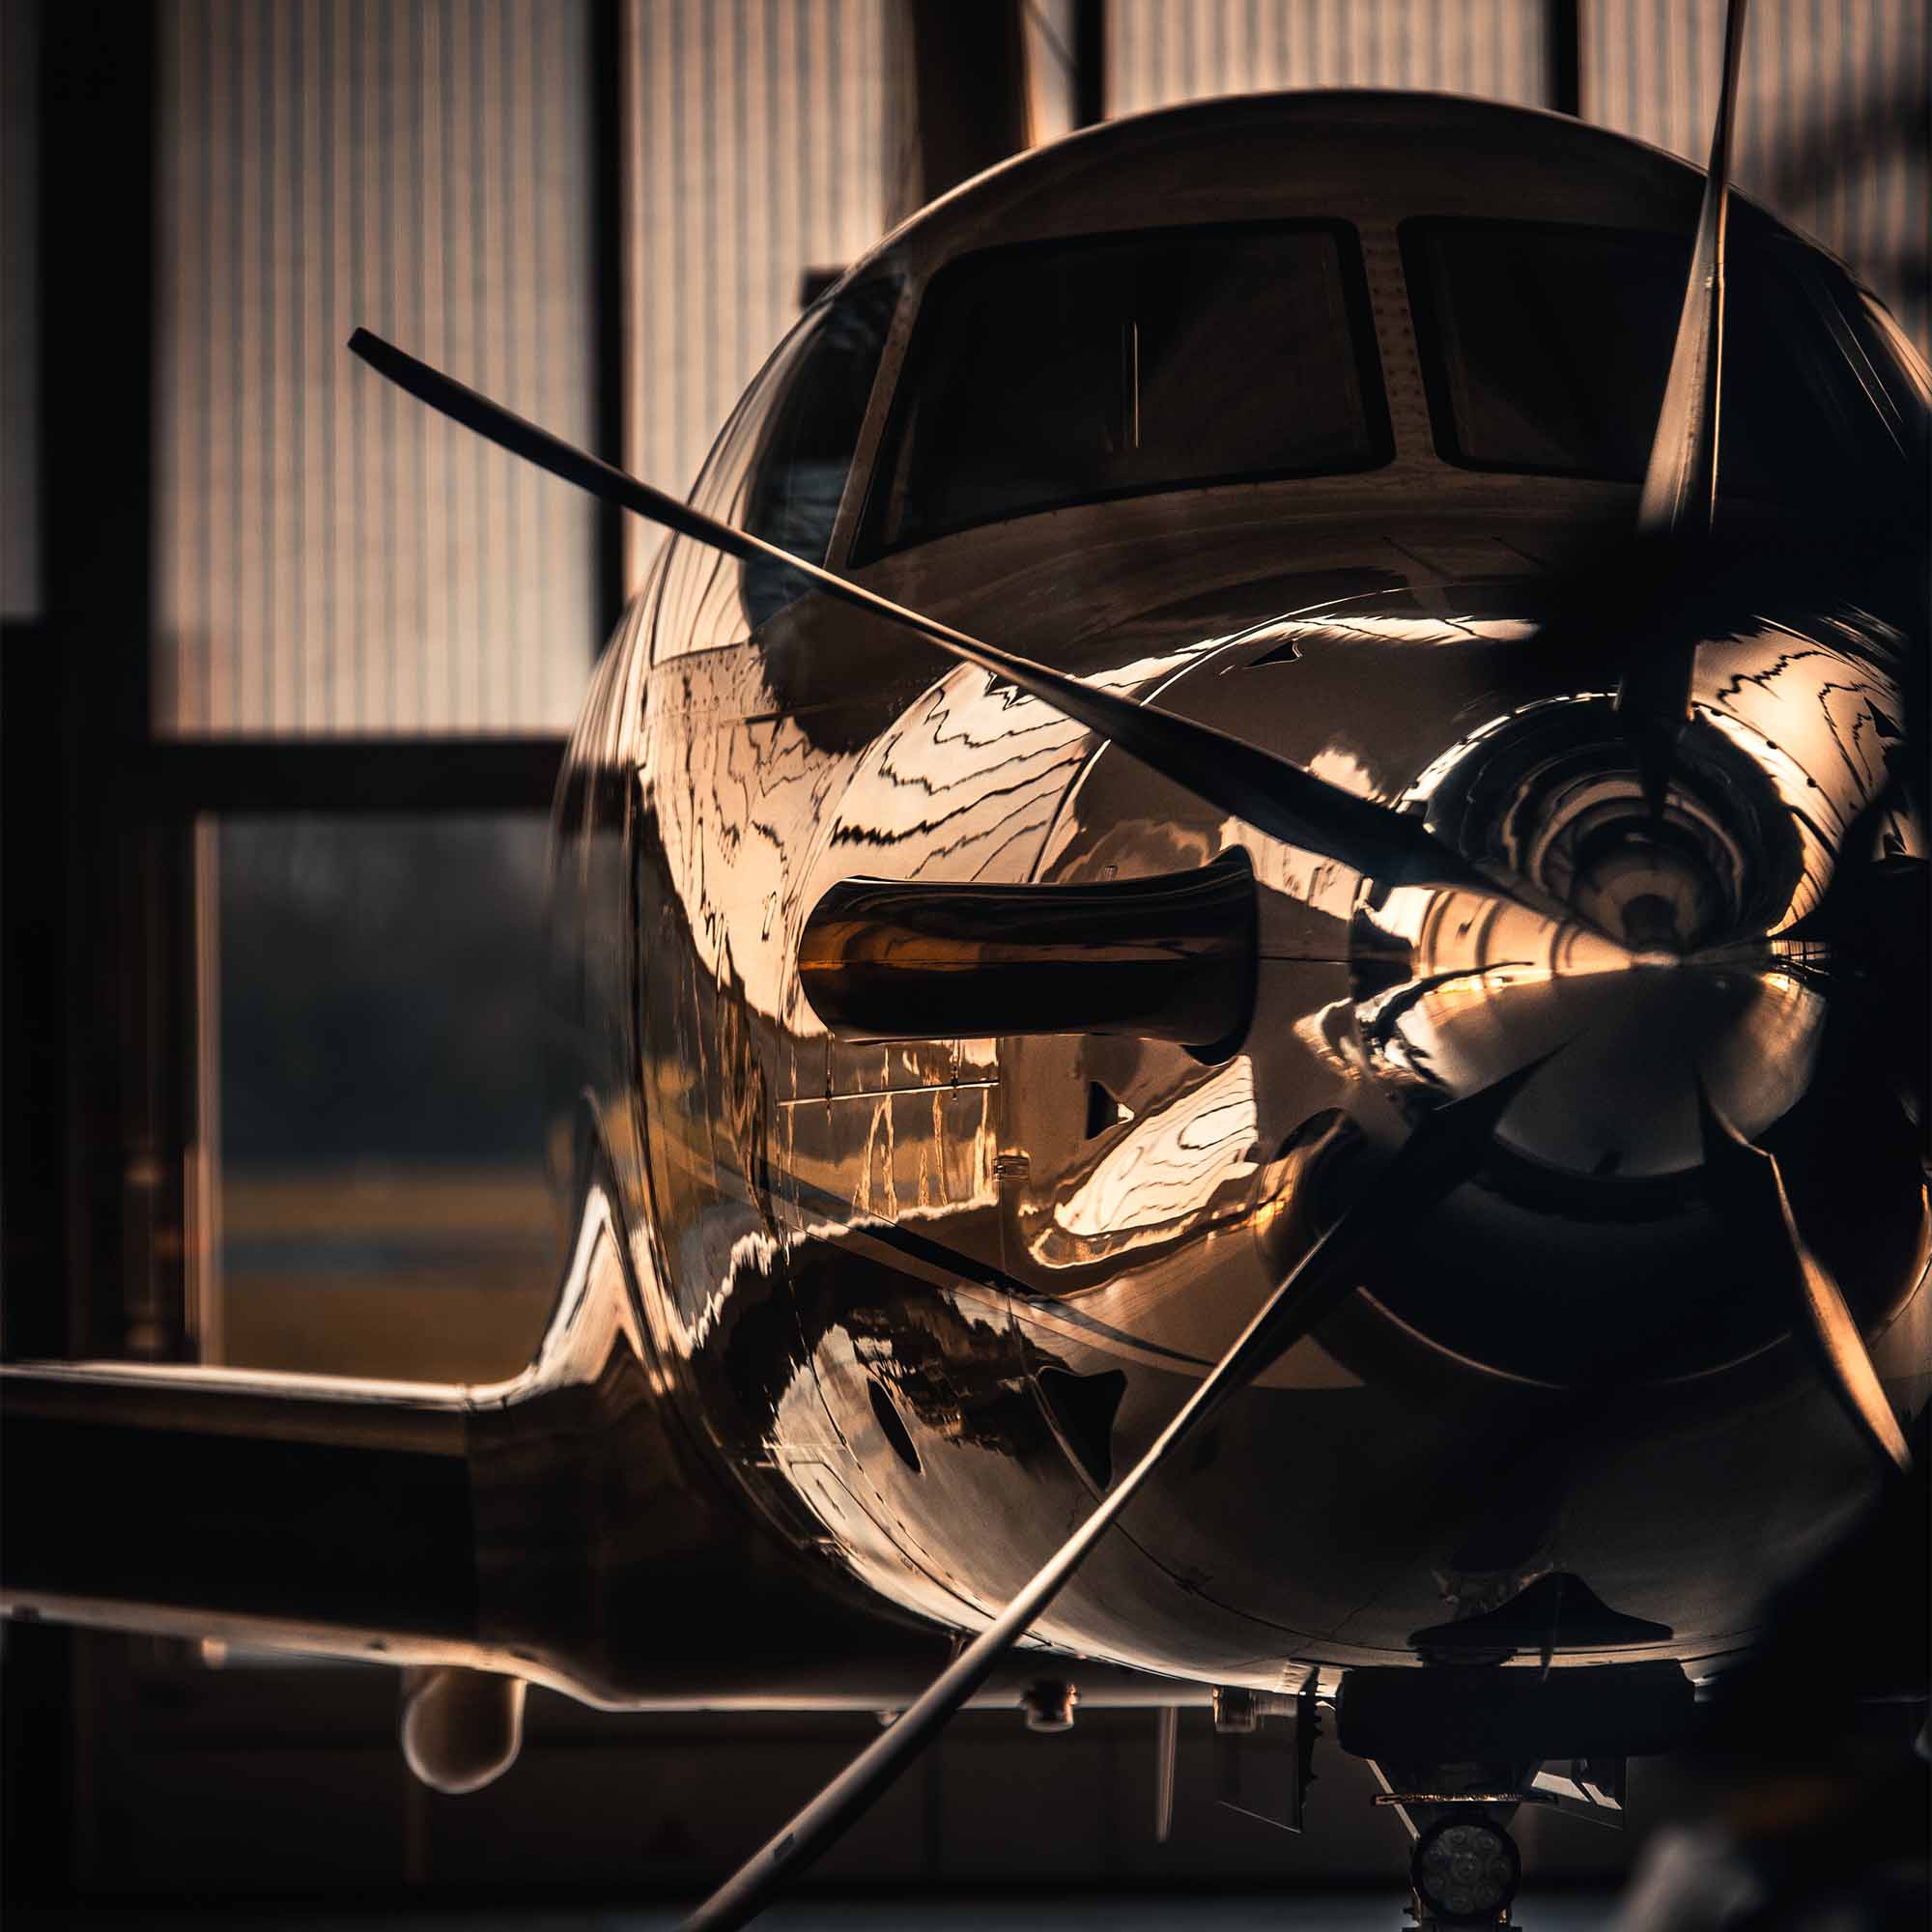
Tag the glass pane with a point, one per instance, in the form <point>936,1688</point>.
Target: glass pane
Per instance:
<point>805,456</point>
<point>756,153</point>
<point>1069,372</point>
<point>332,556</point>
<point>382,1200</point>
<point>779,470</point>
<point>1547,350</point>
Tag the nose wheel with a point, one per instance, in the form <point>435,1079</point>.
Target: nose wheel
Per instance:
<point>1465,1871</point>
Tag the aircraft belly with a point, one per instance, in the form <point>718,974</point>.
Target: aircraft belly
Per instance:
<point>1332,1524</point>
<point>915,1434</point>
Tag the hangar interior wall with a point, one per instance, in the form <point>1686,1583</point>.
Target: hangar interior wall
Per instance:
<point>332,559</point>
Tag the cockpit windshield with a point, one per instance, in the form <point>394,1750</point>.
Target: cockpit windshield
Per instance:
<point>1546,350</point>
<point>1065,372</point>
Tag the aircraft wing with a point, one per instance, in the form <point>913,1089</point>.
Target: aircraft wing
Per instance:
<point>561,1529</point>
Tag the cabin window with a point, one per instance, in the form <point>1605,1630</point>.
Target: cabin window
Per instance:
<point>1546,351</point>
<point>779,470</point>
<point>1121,365</point>
<point>805,453</point>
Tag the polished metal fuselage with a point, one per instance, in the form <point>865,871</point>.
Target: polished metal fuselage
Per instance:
<point>853,1263</point>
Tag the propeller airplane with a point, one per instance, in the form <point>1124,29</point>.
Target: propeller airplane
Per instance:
<point>1239,936</point>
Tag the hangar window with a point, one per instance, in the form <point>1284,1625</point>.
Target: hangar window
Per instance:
<point>1121,365</point>
<point>372,1119</point>
<point>1546,350</point>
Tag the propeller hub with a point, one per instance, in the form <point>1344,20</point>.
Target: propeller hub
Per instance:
<point>1728,948</point>
<point>1457,988</point>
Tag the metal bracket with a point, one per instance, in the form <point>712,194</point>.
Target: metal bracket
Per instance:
<point>1589,1788</point>
<point>1236,1767</point>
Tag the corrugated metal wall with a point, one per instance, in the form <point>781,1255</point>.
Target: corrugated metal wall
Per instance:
<point>756,151</point>
<point>1160,52</point>
<point>332,556</point>
<point>1821,86</point>
<point>332,559</point>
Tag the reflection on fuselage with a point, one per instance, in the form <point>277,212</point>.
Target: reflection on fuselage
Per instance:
<point>858,1258</point>
<point>928,1225</point>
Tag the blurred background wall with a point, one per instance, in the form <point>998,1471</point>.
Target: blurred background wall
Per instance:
<point>288,662</point>
<point>330,559</point>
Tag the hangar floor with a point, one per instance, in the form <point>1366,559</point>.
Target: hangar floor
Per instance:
<point>1255,1912</point>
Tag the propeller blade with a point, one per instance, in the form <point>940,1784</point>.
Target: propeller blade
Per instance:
<point>1680,485</point>
<point>1271,794</point>
<point>1437,1155</point>
<point>1751,1191</point>
<point>1681,482</point>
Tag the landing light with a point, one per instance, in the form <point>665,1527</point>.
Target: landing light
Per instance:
<point>1465,1870</point>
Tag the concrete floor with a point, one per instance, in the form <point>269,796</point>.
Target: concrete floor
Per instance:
<point>1356,1912</point>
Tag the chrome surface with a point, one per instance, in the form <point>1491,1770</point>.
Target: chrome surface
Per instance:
<point>874,1270</point>
<point>1161,958</point>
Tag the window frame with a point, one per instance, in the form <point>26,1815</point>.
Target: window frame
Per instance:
<point>867,545</point>
<point>1413,234</point>
<point>727,481</point>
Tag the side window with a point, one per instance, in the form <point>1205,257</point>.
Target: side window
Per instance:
<point>807,455</point>
<point>1546,349</point>
<point>779,470</point>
